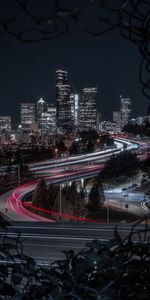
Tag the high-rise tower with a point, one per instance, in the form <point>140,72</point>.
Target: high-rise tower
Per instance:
<point>27,115</point>
<point>88,110</point>
<point>74,101</point>
<point>125,110</point>
<point>41,107</point>
<point>63,105</point>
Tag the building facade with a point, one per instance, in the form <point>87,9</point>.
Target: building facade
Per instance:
<point>125,109</point>
<point>63,106</point>
<point>27,115</point>
<point>41,108</point>
<point>117,120</point>
<point>5,123</point>
<point>88,109</point>
<point>74,101</point>
<point>48,119</point>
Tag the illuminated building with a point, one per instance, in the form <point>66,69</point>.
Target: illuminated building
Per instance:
<point>88,109</point>
<point>63,106</point>
<point>41,107</point>
<point>117,120</point>
<point>27,115</point>
<point>48,119</point>
<point>125,110</point>
<point>74,101</point>
<point>5,123</point>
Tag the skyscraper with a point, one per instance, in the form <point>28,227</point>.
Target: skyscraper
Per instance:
<point>63,105</point>
<point>74,101</point>
<point>88,109</point>
<point>125,110</point>
<point>41,107</point>
<point>117,120</point>
<point>48,119</point>
<point>27,115</point>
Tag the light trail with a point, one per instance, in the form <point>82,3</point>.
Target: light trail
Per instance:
<point>15,204</point>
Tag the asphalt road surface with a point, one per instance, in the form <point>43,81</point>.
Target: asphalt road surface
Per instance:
<point>44,242</point>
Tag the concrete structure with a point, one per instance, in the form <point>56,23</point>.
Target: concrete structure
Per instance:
<point>27,115</point>
<point>107,126</point>
<point>41,107</point>
<point>125,109</point>
<point>48,119</point>
<point>88,109</point>
<point>63,106</point>
<point>143,119</point>
<point>74,101</point>
<point>5,123</point>
<point>117,120</point>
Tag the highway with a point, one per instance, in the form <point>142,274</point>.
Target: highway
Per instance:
<point>85,159</point>
<point>70,169</point>
<point>44,242</point>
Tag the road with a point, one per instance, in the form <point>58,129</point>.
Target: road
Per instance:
<point>84,159</point>
<point>44,242</point>
<point>71,169</point>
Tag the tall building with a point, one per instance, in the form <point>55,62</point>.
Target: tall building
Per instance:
<point>5,123</point>
<point>74,102</point>
<point>88,109</point>
<point>41,108</point>
<point>125,110</point>
<point>63,105</point>
<point>117,120</point>
<point>48,119</point>
<point>27,115</point>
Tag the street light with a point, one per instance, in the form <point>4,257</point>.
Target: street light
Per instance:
<point>56,151</point>
<point>18,175</point>
<point>60,203</point>
<point>107,211</point>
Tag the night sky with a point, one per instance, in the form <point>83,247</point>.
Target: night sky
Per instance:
<point>27,71</point>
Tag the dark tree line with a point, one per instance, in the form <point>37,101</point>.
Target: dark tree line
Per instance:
<point>125,164</point>
<point>142,130</point>
<point>73,199</point>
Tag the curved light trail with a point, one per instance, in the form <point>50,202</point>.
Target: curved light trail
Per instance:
<point>13,205</point>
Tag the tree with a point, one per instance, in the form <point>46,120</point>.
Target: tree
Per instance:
<point>72,201</point>
<point>145,167</point>
<point>89,135</point>
<point>143,129</point>
<point>39,198</point>
<point>125,163</point>
<point>61,146</point>
<point>105,139</point>
<point>52,197</point>
<point>90,146</point>
<point>96,197</point>
<point>75,148</point>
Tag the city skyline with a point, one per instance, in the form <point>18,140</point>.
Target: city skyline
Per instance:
<point>110,62</point>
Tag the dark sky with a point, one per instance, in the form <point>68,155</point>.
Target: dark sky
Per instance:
<point>27,71</point>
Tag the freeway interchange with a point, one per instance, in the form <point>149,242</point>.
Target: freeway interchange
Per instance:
<point>12,204</point>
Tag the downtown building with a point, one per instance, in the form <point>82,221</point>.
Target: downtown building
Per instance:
<point>74,102</point>
<point>117,120</point>
<point>5,123</point>
<point>64,120</point>
<point>27,114</point>
<point>125,109</point>
<point>88,109</point>
<point>47,121</point>
<point>41,108</point>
